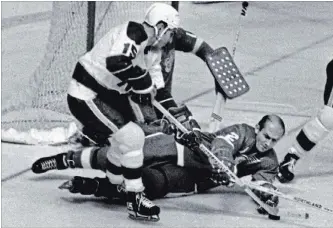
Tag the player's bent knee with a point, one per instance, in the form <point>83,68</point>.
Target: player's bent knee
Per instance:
<point>155,183</point>
<point>179,179</point>
<point>128,138</point>
<point>326,117</point>
<point>127,144</point>
<point>132,159</point>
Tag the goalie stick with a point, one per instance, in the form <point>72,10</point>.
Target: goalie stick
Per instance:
<point>243,13</point>
<point>220,98</point>
<point>272,211</point>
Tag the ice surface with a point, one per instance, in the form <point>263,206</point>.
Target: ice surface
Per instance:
<point>283,50</point>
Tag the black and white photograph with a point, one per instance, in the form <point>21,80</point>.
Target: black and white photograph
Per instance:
<point>167,114</point>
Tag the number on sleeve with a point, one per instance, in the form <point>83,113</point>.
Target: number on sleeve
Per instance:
<point>132,48</point>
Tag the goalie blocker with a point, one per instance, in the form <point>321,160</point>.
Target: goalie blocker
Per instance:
<point>228,79</point>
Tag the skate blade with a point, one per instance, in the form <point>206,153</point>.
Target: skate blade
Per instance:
<point>66,185</point>
<point>153,218</point>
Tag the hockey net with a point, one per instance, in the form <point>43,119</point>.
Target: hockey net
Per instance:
<point>36,111</point>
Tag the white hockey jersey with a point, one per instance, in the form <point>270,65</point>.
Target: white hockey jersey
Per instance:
<point>122,61</point>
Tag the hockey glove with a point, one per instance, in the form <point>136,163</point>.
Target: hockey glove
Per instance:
<point>269,199</point>
<point>184,115</point>
<point>190,139</point>
<point>286,168</point>
<point>167,127</point>
<point>219,176</point>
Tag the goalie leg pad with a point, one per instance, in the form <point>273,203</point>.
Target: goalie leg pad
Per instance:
<point>227,75</point>
<point>326,117</point>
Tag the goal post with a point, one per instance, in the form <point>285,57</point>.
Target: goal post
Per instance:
<point>35,109</point>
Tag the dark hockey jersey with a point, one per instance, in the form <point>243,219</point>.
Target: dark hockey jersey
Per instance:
<point>184,41</point>
<point>235,141</point>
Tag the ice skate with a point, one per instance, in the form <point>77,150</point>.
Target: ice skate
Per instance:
<point>141,208</point>
<point>55,162</point>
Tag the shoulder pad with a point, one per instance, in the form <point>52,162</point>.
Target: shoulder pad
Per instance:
<point>136,32</point>
<point>180,33</point>
<point>248,130</point>
<point>184,40</point>
<point>246,126</point>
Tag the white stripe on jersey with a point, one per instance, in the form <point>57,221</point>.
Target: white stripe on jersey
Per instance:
<point>119,71</point>
<point>136,110</point>
<point>168,99</point>
<point>197,45</point>
<point>180,155</point>
<point>226,140</point>
<point>113,44</point>
<point>144,91</point>
<point>140,76</point>
<point>77,90</point>
<point>191,34</point>
<point>101,116</point>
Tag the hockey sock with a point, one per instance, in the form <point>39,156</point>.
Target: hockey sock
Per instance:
<point>85,158</point>
<point>313,131</point>
<point>132,171</point>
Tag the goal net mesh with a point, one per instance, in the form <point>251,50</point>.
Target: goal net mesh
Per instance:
<point>40,102</point>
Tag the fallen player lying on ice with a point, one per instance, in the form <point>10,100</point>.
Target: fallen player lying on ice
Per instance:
<point>176,164</point>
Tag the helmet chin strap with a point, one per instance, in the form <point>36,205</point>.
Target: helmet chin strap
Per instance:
<point>160,36</point>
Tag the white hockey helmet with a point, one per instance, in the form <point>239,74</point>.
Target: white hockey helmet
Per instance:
<point>162,12</point>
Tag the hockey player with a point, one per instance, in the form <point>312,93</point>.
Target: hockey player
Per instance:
<point>183,41</point>
<point>312,132</point>
<point>171,167</point>
<point>121,72</point>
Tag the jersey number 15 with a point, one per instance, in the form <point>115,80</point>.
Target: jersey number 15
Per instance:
<point>131,49</point>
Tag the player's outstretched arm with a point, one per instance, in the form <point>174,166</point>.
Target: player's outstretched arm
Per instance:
<point>189,42</point>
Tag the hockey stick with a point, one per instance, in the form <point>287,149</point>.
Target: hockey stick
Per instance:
<point>9,177</point>
<point>217,112</point>
<point>220,99</point>
<point>292,198</point>
<point>272,211</point>
<point>243,13</point>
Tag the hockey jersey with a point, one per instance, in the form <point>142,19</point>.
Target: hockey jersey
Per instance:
<point>122,61</point>
<point>184,41</point>
<point>235,141</point>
